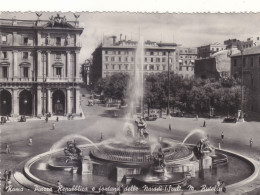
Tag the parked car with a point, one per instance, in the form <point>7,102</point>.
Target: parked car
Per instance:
<point>230,120</point>
<point>152,117</point>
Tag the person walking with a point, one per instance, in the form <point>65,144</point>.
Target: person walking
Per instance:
<point>57,119</point>
<point>251,142</point>
<point>46,119</point>
<point>53,126</point>
<point>204,124</point>
<point>30,142</point>
<point>170,127</point>
<point>223,187</point>
<point>7,149</point>
<point>222,137</point>
<point>197,117</point>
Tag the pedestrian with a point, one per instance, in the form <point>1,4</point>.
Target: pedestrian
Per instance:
<point>6,175</point>
<point>53,126</point>
<point>30,142</point>
<point>170,127</point>
<point>251,142</point>
<point>222,136</point>
<point>7,149</point>
<point>57,119</point>
<point>217,187</point>
<point>204,124</point>
<point>9,174</point>
<point>197,117</point>
<point>223,187</point>
<point>101,137</point>
<point>46,119</point>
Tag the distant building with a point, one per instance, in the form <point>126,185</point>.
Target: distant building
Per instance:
<point>114,56</point>
<point>186,57</point>
<point>217,66</point>
<point>251,75</point>
<point>39,66</point>
<point>232,43</point>
<point>207,51</point>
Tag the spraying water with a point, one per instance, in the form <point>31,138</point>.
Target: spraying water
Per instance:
<point>71,137</point>
<point>194,131</point>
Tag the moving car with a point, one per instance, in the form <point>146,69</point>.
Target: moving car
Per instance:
<point>151,117</point>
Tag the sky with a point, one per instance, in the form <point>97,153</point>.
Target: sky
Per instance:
<point>189,30</point>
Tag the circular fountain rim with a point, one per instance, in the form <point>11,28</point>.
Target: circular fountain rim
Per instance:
<point>41,182</point>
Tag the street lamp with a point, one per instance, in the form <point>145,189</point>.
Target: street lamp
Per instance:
<point>241,117</point>
<point>168,98</point>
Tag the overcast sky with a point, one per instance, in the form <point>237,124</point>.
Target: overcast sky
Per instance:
<point>191,30</point>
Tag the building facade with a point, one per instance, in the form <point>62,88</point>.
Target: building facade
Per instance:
<point>113,57</point>
<point>186,58</point>
<point>208,50</point>
<point>39,66</point>
<point>251,76</point>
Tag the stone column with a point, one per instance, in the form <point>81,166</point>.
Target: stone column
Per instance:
<point>49,72</point>
<point>15,103</point>
<point>78,101</point>
<point>69,101</point>
<point>49,99</point>
<point>77,65</point>
<point>39,102</point>
<point>15,65</point>
<point>68,65</point>
<point>15,43</point>
<point>38,39</point>
<point>39,66</point>
<point>77,40</point>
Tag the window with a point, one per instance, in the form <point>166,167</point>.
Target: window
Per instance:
<point>119,59</point>
<point>5,72</point>
<point>151,59</point>
<point>119,52</point>
<point>164,53</point>
<point>187,68</point>
<point>126,66</point>
<point>25,55</point>
<point>113,66</point>
<point>4,39</point>
<point>132,59</point>
<point>151,67</point>
<point>106,52</point>
<point>58,41</point>
<point>119,66</point>
<point>25,40</point>
<point>180,68</point>
<point>252,61</point>
<point>114,52</point>
<point>145,59</point>
<point>244,62</point>
<point>158,67</point>
<point>164,67</point>
<point>163,59</point>
<point>58,71</point>
<point>26,72</point>
<point>58,56</point>
<point>145,67</point>
<point>5,54</point>
<point>112,59</point>
<point>157,59</point>
<point>151,53</point>
<point>126,59</point>
<point>106,66</point>
<point>106,58</point>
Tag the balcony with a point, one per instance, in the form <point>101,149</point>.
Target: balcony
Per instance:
<point>63,79</point>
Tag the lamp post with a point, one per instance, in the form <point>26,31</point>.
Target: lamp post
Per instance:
<point>241,117</point>
<point>168,98</point>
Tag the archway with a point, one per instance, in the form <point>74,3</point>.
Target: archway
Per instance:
<point>25,103</point>
<point>5,103</point>
<point>58,103</point>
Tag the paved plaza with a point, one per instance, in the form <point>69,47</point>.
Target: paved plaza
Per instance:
<point>17,135</point>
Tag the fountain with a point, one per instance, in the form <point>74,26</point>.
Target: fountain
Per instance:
<point>137,158</point>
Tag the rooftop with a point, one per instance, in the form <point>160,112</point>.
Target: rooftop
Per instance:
<point>249,51</point>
